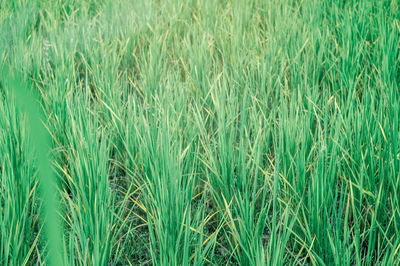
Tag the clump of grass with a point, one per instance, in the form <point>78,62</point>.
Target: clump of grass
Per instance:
<point>20,227</point>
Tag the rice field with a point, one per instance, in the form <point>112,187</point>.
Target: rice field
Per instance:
<point>199,132</point>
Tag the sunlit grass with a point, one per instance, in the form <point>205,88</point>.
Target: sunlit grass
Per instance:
<point>205,132</point>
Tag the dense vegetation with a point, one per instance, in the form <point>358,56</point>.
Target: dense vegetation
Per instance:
<point>262,132</point>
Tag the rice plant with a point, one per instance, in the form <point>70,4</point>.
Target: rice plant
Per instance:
<point>202,132</point>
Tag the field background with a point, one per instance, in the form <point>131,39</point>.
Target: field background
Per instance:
<point>249,132</point>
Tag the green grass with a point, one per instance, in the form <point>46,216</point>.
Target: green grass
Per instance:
<point>201,132</point>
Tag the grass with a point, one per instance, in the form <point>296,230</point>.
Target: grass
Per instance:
<point>19,175</point>
<point>201,132</point>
